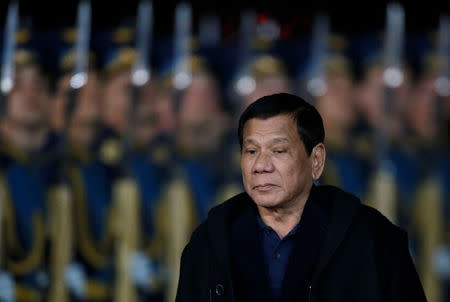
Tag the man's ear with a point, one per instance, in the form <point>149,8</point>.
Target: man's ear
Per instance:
<point>318,155</point>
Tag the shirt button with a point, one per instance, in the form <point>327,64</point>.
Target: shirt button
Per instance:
<point>277,256</point>
<point>219,289</point>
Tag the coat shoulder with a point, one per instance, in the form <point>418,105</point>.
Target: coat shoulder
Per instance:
<point>216,215</point>
<point>366,216</point>
<point>379,226</point>
<point>375,217</point>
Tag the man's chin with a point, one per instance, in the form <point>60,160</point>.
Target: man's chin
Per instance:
<point>265,200</point>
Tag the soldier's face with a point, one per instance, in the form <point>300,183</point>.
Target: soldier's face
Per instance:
<point>267,85</point>
<point>28,101</point>
<point>201,121</point>
<point>276,169</point>
<point>145,123</point>
<point>86,116</point>
<point>117,101</point>
<point>337,105</point>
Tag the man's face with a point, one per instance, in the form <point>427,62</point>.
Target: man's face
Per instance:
<point>276,170</point>
<point>28,99</point>
<point>117,101</point>
<point>86,116</point>
<point>201,122</point>
<point>268,85</point>
<point>145,122</point>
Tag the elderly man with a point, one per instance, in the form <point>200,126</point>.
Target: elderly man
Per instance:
<point>286,239</point>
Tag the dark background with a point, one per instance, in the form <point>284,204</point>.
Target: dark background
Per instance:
<point>349,17</point>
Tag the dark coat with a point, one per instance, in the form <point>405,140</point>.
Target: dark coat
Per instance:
<point>363,257</point>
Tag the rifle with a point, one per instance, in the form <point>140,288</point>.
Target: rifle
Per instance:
<point>6,85</point>
<point>178,198</point>
<point>245,84</point>
<point>316,84</point>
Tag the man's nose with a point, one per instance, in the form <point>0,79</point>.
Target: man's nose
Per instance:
<point>263,164</point>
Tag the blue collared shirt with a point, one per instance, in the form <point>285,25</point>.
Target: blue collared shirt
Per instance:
<point>276,254</point>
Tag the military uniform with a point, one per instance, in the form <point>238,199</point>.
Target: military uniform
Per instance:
<point>26,182</point>
<point>149,168</point>
<point>92,173</point>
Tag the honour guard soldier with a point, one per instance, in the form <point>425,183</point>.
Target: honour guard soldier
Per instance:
<point>133,111</point>
<point>427,117</point>
<point>200,160</point>
<point>327,79</point>
<point>347,165</point>
<point>27,178</point>
<point>92,157</point>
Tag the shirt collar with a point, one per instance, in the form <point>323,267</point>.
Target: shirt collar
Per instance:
<point>308,209</point>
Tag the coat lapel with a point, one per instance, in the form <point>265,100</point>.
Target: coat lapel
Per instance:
<point>343,209</point>
<point>248,259</point>
<point>310,234</point>
<point>219,240</point>
<point>247,241</point>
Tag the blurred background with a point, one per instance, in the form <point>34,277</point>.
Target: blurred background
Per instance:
<point>118,129</point>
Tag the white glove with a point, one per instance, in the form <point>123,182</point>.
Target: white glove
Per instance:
<point>7,287</point>
<point>75,277</point>
<point>142,270</point>
<point>441,261</point>
<point>42,279</point>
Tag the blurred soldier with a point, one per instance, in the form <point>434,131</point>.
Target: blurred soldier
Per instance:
<point>118,90</point>
<point>118,94</point>
<point>267,74</point>
<point>27,178</point>
<point>370,94</point>
<point>372,108</point>
<point>149,163</point>
<point>202,126</point>
<point>92,157</point>
<point>136,115</point>
<point>427,111</point>
<point>426,121</point>
<point>327,77</point>
<point>199,167</point>
<point>347,154</point>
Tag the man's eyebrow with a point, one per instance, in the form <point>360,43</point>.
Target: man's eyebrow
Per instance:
<point>280,140</point>
<point>249,141</point>
<point>274,140</point>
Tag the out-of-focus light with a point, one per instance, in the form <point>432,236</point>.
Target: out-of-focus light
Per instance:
<point>269,30</point>
<point>442,86</point>
<point>78,80</point>
<point>140,77</point>
<point>182,80</point>
<point>317,87</point>
<point>441,261</point>
<point>6,85</point>
<point>393,77</point>
<point>245,85</point>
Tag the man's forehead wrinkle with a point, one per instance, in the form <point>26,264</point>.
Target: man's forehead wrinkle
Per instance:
<point>278,139</point>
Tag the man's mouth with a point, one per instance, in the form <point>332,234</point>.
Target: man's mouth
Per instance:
<point>264,187</point>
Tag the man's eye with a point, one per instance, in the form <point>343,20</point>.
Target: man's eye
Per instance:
<point>280,151</point>
<point>250,151</point>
